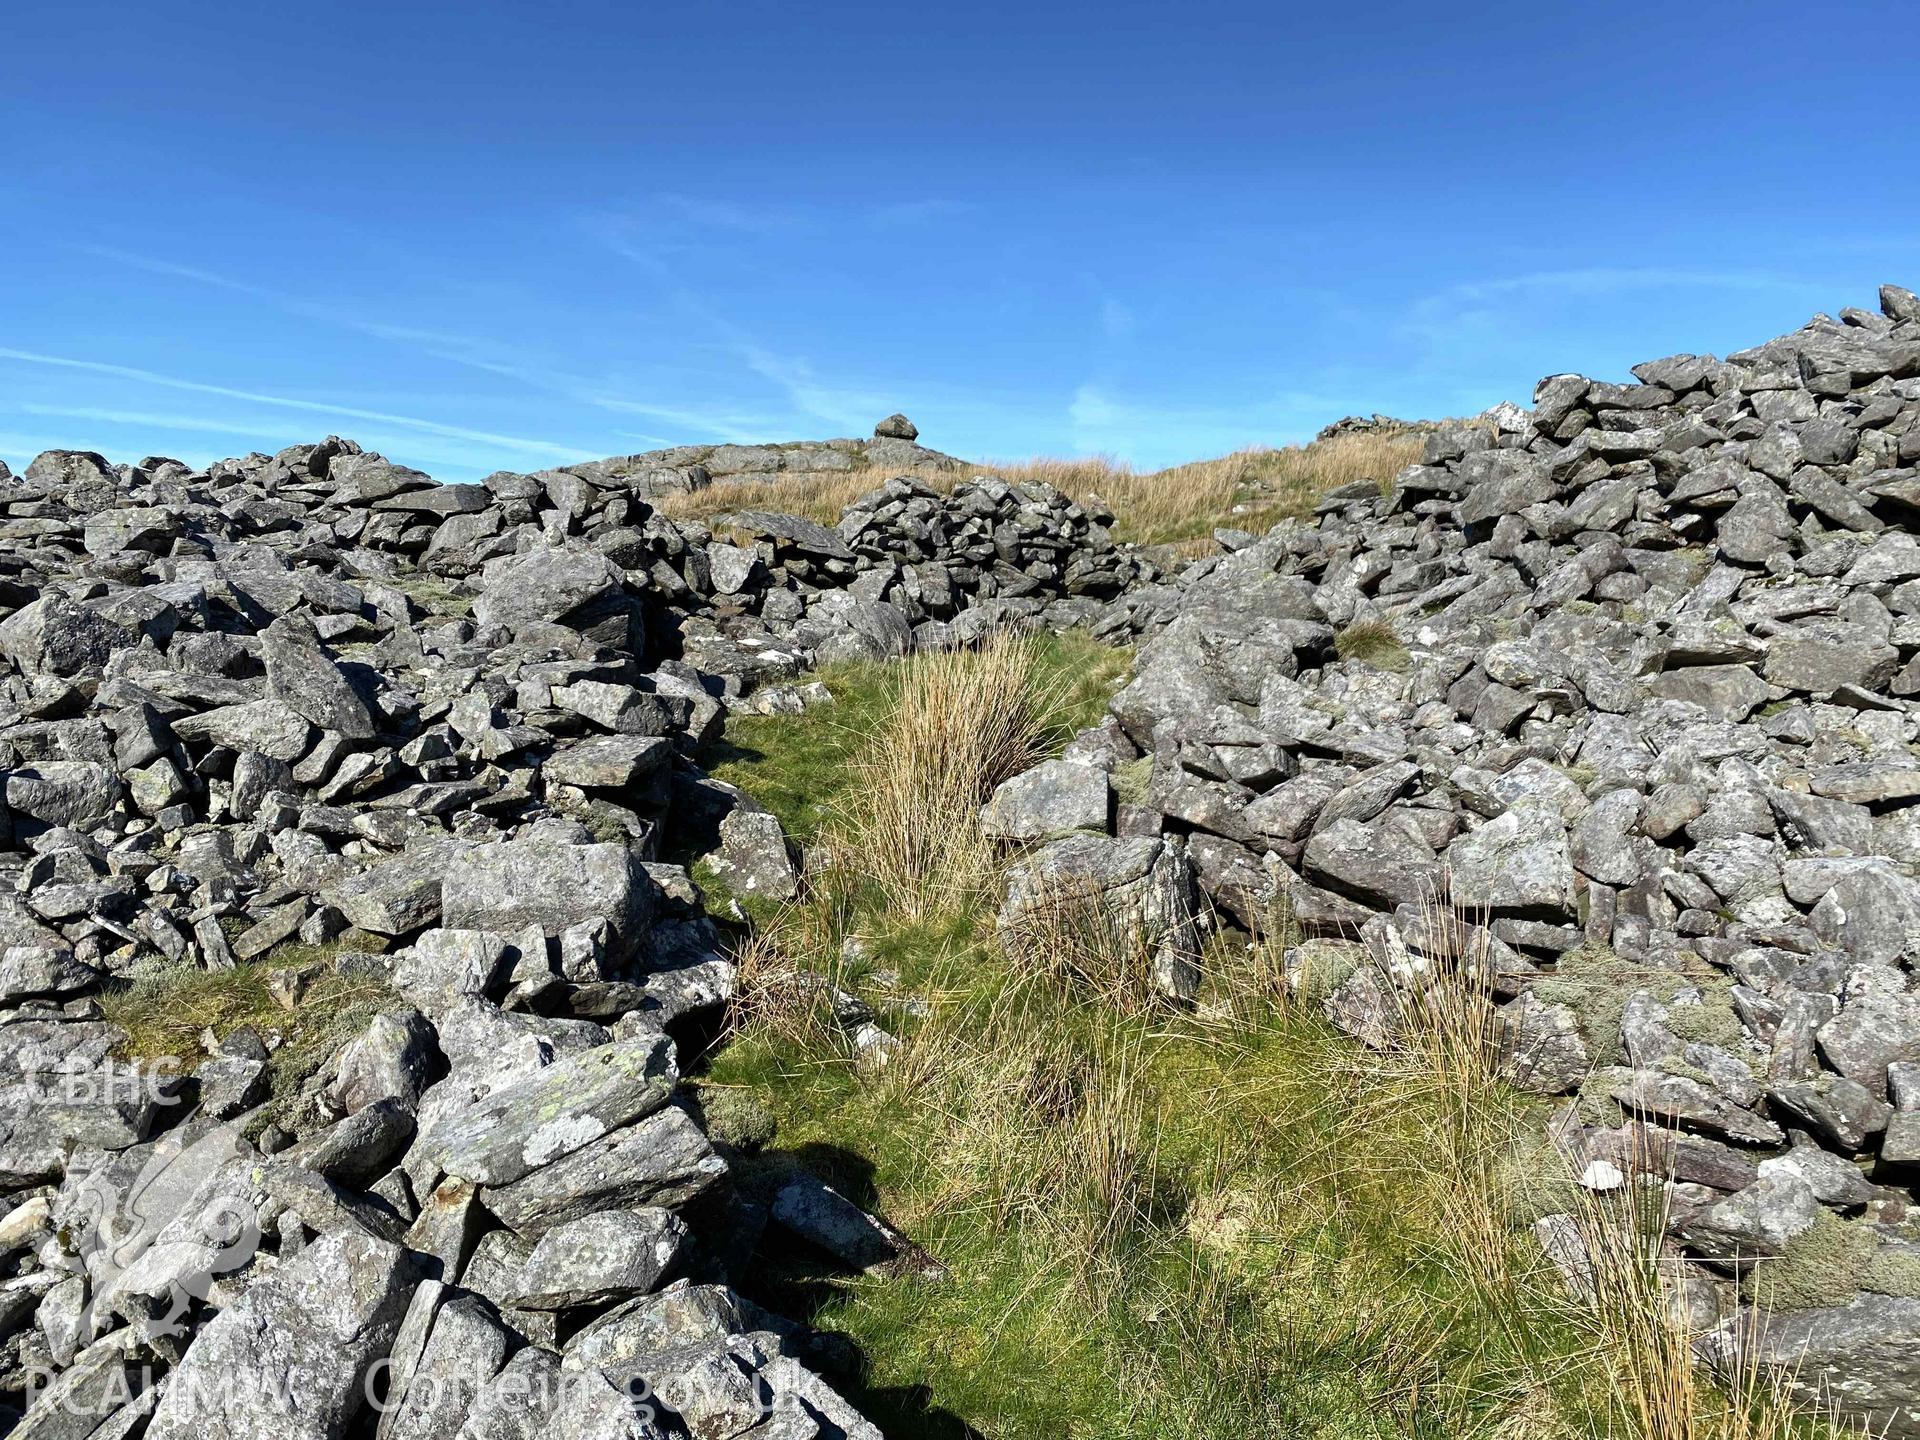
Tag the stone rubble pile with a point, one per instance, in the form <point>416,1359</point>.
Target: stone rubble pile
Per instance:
<point>1628,683</point>
<point>684,469</point>
<point>432,743</point>
<point>907,568</point>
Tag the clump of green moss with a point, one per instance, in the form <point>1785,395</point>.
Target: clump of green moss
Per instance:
<point>1320,967</point>
<point>1820,1266</point>
<point>1594,1107</point>
<point>1372,642</point>
<point>1596,985</point>
<point>1713,1021</point>
<point>736,1116</point>
<point>1680,1070</point>
<point>1893,1270</point>
<point>1830,1262</point>
<point>1130,780</point>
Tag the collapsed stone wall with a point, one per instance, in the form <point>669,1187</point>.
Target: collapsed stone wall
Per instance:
<point>444,737</point>
<point>1628,683</point>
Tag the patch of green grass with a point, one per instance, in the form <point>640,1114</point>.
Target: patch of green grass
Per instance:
<point>1372,642</point>
<point>165,1012</point>
<point>1285,1266</point>
<point>433,594</point>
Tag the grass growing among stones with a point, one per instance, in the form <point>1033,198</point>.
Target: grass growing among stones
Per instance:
<point>1251,489</point>
<point>958,724</point>
<point>808,769</point>
<point>166,1012</point>
<point>1224,1222</point>
<point>1373,642</point>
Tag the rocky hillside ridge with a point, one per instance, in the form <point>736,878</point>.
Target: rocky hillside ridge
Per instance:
<point>687,469</point>
<point>1628,683</point>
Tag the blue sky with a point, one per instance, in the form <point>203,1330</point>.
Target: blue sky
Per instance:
<point>481,236</point>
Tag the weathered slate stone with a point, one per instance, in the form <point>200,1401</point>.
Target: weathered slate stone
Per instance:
<point>607,762</point>
<point>303,677</point>
<point>556,1110</point>
<point>600,1258</point>
<point>1052,799</point>
<point>514,885</point>
<point>753,857</point>
<point>663,1159</point>
<point>289,1359</point>
<point>1516,863</point>
<point>1862,1358</point>
<point>401,894</point>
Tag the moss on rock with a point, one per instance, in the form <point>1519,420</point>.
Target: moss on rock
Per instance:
<point>737,1117</point>
<point>1826,1264</point>
<point>1596,984</point>
<point>1130,780</point>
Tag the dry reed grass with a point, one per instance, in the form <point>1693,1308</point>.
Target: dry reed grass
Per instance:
<point>962,721</point>
<point>1072,936</point>
<point>1252,489</point>
<point>1637,1335</point>
<point>1254,987</point>
<point>1661,1389</point>
<point>1046,1131</point>
<point>819,495</point>
<point>780,998</point>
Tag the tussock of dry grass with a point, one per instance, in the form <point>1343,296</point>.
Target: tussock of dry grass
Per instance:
<point>1660,1389</point>
<point>962,722</point>
<point>1251,489</point>
<point>1373,642</point>
<point>818,495</point>
<point>1072,936</point>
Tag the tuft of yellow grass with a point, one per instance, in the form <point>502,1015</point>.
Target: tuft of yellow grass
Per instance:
<point>1075,937</point>
<point>1661,1389</point>
<point>818,495</point>
<point>961,722</point>
<point>1252,489</point>
<point>1372,642</point>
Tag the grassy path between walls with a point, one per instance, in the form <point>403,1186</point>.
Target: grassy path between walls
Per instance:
<point>1223,1222</point>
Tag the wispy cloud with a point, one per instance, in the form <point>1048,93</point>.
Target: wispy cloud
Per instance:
<point>1521,324</point>
<point>917,212</point>
<point>707,424</point>
<point>807,394</point>
<point>331,313</point>
<point>1609,280</point>
<point>742,219</point>
<point>146,419</point>
<point>768,220</point>
<point>546,448</point>
<point>1442,315</point>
